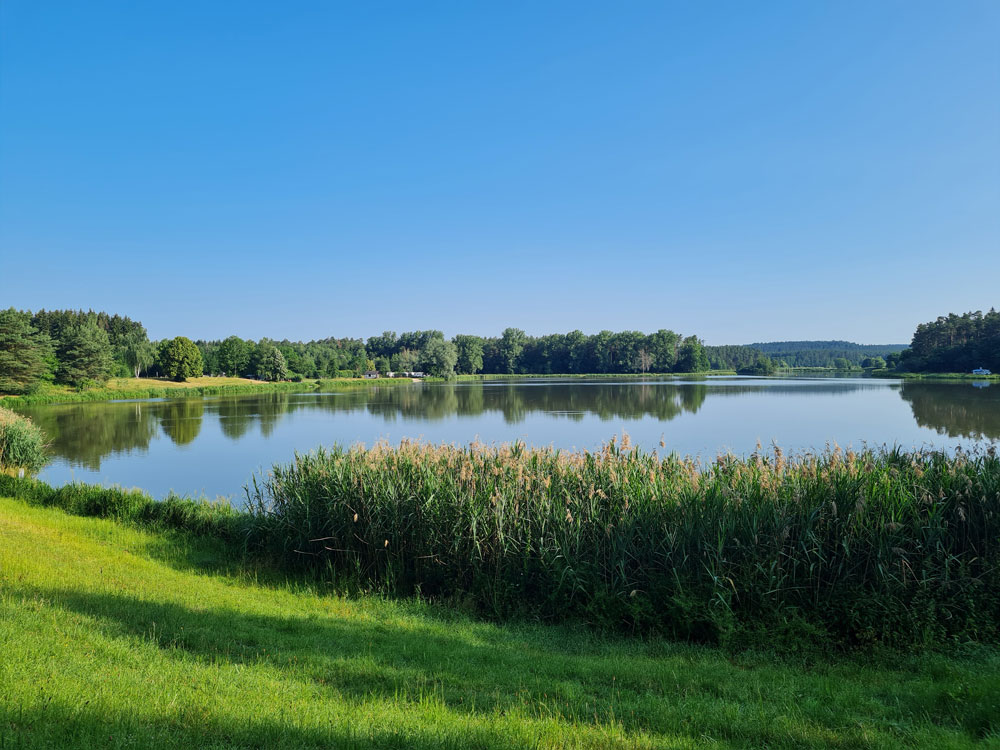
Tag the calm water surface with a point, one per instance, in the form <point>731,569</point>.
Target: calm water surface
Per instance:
<point>212,446</point>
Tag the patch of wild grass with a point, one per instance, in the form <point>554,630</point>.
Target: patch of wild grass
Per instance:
<point>846,548</point>
<point>132,506</point>
<point>22,444</point>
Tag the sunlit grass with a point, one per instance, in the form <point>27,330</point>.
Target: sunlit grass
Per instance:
<point>115,637</point>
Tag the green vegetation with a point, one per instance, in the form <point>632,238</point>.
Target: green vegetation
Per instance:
<point>763,365</point>
<point>271,364</point>
<point>955,344</point>
<point>146,388</point>
<point>22,444</point>
<point>89,347</point>
<point>117,638</point>
<point>179,359</point>
<point>84,354</point>
<point>23,354</point>
<point>932,376</point>
<point>575,353</point>
<point>85,349</point>
<point>880,547</point>
<point>835,551</point>
<point>796,354</point>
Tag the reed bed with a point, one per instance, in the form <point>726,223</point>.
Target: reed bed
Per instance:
<point>884,546</point>
<point>22,444</point>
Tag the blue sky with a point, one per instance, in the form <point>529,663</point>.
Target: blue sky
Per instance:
<point>743,171</point>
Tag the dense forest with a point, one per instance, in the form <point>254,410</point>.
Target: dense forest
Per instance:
<point>80,348</point>
<point>826,353</point>
<point>956,343</point>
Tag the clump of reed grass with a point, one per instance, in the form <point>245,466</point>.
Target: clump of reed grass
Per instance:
<point>883,546</point>
<point>22,443</point>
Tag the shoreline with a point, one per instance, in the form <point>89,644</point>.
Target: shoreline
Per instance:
<point>118,389</point>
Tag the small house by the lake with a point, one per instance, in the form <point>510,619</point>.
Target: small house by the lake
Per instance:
<point>981,371</point>
<point>371,374</point>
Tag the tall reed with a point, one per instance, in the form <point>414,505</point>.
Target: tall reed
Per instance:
<point>22,444</point>
<point>880,546</point>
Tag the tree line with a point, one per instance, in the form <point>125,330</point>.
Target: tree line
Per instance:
<point>840,355</point>
<point>80,348</point>
<point>955,343</point>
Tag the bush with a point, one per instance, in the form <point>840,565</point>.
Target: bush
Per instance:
<point>22,444</point>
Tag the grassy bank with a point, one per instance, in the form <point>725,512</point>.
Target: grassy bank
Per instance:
<point>145,388</point>
<point>830,552</point>
<point>116,637</point>
<point>932,376</point>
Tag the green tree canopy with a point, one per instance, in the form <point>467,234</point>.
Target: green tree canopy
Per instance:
<point>873,363</point>
<point>692,357</point>
<point>234,356</point>
<point>470,354</point>
<point>137,351</point>
<point>84,354</point>
<point>179,358</point>
<point>23,353</point>
<point>271,363</point>
<point>511,345</point>
<point>439,358</point>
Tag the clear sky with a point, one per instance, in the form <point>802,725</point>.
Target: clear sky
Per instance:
<point>741,170</point>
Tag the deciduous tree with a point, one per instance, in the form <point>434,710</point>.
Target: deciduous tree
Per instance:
<point>179,359</point>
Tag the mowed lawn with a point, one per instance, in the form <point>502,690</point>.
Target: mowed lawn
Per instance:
<point>112,637</point>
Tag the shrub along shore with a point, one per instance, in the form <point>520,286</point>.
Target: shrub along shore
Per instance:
<point>839,550</point>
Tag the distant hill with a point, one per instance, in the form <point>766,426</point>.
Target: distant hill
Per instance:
<point>822,353</point>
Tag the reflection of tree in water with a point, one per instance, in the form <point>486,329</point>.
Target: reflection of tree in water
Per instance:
<point>237,414</point>
<point>84,434</point>
<point>956,410</point>
<point>516,401</point>
<point>181,419</point>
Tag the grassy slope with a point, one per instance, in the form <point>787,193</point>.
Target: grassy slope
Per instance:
<point>114,637</point>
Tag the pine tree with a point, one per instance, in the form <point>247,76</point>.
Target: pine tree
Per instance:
<point>23,351</point>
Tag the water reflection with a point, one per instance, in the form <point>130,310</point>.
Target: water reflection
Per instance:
<point>181,419</point>
<point>85,434</point>
<point>955,410</point>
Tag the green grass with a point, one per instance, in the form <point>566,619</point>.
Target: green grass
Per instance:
<point>115,637</point>
<point>145,388</point>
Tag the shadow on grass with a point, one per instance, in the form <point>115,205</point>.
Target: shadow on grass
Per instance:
<point>364,659</point>
<point>60,727</point>
<point>361,658</point>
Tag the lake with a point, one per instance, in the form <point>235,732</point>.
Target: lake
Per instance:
<point>212,446</point>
